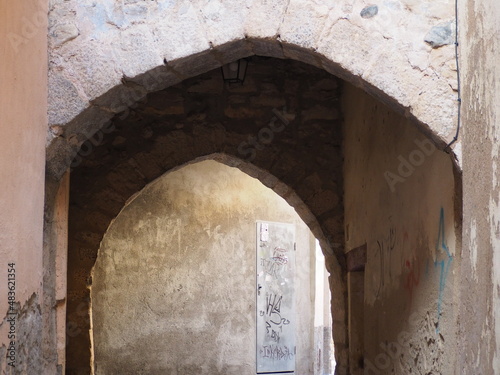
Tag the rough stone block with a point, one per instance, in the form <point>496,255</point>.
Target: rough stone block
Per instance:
<point>233,51</point>
<point>294,52</point>
<point>64,101</point>
<point>179,31</point>
<point>136,51</point>
<point>347,45</point>
<point>212,85</point>
<point>303,23</point>
<point>441,35</point>
<point>91,66</point>
<point>224,21</point>
<point>195,64</point>
<point>121,97</point>
<point>323,202</point>
<point>267,47</point>
<point>267,101</point>
<point>320,113</point>
<point>62,33</point>
<point>263,20</point>
<point>157,78</point>
<point>242,112</point>
<point>281,189</point>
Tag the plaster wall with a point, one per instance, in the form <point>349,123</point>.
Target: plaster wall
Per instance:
<point>480,278</point>
<point>399,202</point>
<point>23,123</point>
<point>173,287</point>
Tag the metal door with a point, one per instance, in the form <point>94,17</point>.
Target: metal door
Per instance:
<point>275,298</point>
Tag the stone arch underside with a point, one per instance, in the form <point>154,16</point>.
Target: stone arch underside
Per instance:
<point>105,56</point>
<point>290,110</point>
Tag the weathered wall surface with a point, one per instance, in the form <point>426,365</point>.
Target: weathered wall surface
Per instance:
<point>480,278</point>
<point>174,284</point>
<point>399,201</point>
<point>23,121</point>
<point>107,55</point>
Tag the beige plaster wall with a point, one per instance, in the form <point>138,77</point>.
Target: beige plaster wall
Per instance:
<point>23,123</point>
<point>480,278</point>
<point>399,201</point>
<point>173,289</point>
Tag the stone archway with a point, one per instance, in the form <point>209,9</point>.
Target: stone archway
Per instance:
<point>285,112</point>
<point>106,56</point>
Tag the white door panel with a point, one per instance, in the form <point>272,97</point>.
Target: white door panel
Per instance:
<point>275,298</point>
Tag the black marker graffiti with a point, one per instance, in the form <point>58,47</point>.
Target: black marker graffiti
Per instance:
<point>277,352</point>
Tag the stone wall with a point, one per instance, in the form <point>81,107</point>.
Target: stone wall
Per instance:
<point>282,126</point>
<point>401,204</point>
<point>174,285</point>
<point>107,55</point>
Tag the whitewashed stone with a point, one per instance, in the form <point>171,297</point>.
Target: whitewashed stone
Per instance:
<point>303,23</point>
<point>64,101</point>
<point>224,20</point>
<point>179,31</point>
<point>262,17</point>
<point>62,33</point>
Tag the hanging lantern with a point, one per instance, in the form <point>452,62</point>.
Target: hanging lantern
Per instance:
<point>235,71</point>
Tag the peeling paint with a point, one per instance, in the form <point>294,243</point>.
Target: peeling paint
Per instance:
<point>494,220</point>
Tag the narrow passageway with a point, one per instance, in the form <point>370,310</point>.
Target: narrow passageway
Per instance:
<point>375,125</point>
<point>266,127</point>
<point>181,286</point>
<point>374,190</point>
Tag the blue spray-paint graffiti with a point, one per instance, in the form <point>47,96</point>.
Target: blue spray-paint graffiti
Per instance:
<point>442,264</point>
